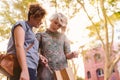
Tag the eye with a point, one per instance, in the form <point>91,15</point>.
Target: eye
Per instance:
<point>59,25</point>
<point>56,23</point>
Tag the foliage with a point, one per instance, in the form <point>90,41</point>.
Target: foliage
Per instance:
<point>13,10</point>
<point>4,32</point>
<point>80,78</point>
<point>10,13</point>
<point>17,10</point>
<point>69,7</point>
<point>108,13</point>
<point>114,17</point>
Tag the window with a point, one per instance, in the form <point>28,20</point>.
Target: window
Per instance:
<point>87,58</point>
<point>88,75</point>
<point>113,70</point>
<point>97,57</point>
<point>100,72</point>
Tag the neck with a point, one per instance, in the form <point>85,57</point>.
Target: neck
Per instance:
<point>29,23</point>
<point>52,30</point>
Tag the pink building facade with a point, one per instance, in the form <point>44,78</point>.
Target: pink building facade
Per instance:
<point>94,65</point>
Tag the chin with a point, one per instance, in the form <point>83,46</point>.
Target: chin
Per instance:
<point>37,26</point>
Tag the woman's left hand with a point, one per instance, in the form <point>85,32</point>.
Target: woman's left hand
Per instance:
<point>71,55</point>
<point>74,54</point>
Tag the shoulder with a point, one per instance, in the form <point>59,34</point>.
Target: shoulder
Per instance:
<point>63,35</point>
<point>39,35</point>
<point>22,24</point>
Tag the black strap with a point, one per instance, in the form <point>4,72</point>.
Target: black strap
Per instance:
<point>41,44</point>
<point>29,46</point>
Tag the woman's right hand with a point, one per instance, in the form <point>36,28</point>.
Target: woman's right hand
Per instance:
<point>24,75</point>
<point>44,60</point>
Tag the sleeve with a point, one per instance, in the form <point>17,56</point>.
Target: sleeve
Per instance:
<point>22,24</point>
<point>38,35</point>
<point>66,45</point>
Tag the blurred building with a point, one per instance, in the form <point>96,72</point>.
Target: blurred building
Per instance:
<point>94,65</point>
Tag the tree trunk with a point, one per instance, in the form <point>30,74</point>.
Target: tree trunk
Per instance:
<point>106,70</point>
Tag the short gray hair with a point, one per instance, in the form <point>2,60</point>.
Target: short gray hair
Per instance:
<point>62,19</point>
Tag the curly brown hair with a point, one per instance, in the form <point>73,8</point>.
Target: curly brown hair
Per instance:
<point>36,11</point>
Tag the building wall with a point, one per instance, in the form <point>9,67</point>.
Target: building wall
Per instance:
<point>94,63</point>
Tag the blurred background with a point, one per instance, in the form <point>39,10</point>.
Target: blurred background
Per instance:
<point>93,30</point>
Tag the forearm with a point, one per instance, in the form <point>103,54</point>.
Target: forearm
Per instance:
<point>19,37</point>
<point>21,55</point>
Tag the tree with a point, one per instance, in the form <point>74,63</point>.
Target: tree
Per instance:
<point>10,12</point>
<point>103,25</point>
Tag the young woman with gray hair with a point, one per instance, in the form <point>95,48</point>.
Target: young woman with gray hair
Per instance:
<point>55,47</point>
